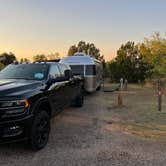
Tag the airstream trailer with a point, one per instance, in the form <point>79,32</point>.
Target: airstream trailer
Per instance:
<point>89,68</point>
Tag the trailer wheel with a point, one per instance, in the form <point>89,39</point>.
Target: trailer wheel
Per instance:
<point>98,88</point>
<point>79,101</point>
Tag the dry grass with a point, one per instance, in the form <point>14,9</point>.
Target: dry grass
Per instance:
<point>138,115</point>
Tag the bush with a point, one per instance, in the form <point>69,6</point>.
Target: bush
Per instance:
<point>1,66</point>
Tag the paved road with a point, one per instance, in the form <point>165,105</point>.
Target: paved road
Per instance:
<point>78,138</point>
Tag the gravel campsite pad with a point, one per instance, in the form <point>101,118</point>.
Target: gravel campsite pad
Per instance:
<point>101,134</point>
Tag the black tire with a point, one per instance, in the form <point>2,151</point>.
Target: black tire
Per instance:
<point>40,131</point>
<point>79,101</point>
<point>98,88</point>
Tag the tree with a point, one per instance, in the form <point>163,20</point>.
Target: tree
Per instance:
<point>87,48</point>
<point>54,56</point>
<point>106,72</point>
<point>129,64</point>
<point>72,50</point>
<point>39,58</point>
<point>22,60</point>
<point>154,50</point>
<point>7,58</point>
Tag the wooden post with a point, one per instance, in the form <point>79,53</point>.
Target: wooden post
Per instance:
<point>159,96</point>
<point>120,102</point>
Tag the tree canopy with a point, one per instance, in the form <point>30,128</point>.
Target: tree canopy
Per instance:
<point>154,50</point>
<point>129,64</point>
<point>87,48</point>
<point>140,61</point>
<point>53,56</point>
<point>42,57</point>
<point>7,58</point>
<point>39,58</point>
<point>24,60</point>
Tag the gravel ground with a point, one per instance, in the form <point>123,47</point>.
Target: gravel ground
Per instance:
<point>79,138</point>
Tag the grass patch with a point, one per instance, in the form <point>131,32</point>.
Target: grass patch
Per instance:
<point>139,115</point>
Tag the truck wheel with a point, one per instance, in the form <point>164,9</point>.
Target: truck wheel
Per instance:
<point>79,101</point>
<point>40,131</point>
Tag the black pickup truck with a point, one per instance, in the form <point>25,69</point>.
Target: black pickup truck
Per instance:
<point>30,94</point>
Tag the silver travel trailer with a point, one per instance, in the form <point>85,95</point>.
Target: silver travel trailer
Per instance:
<point>88,67</point>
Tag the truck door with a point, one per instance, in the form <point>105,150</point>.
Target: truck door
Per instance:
<point>57,89</point>
<point>68,93</point>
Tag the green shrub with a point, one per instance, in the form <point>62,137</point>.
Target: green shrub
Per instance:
<point>1,66</point>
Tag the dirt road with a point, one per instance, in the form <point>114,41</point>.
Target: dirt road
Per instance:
<point>91,136</point>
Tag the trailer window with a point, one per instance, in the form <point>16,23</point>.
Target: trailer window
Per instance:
<point>77,69</point>
<point>90,70</point>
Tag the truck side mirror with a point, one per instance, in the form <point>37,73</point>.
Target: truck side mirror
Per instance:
<point>52,79</point>
<point>68,74</point>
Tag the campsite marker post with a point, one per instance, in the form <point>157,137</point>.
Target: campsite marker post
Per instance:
<point>120,101</point>
<point>125,84</point>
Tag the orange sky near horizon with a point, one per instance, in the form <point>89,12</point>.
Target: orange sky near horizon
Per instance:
<point>29,53</point>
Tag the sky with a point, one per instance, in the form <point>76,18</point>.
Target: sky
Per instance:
<point>30,27</point>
